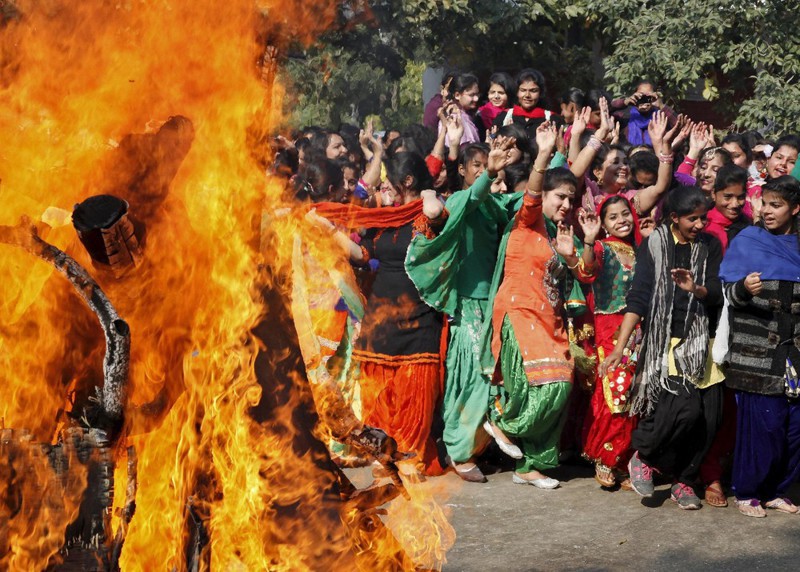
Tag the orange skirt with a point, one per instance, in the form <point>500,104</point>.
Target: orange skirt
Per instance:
<point>401,399</point>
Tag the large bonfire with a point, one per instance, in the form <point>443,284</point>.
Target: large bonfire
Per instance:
<point>155,409</point>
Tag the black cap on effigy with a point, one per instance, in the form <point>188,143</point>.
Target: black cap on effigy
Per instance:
<point>101,211</point>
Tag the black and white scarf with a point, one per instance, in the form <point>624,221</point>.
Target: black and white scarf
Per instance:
<point>691,354</point>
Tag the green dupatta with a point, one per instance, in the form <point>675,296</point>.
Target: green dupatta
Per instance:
<point>433,263</point>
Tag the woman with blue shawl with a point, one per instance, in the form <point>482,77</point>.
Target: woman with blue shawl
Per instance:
<point>761,272</point>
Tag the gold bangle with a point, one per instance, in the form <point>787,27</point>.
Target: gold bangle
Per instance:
<point>539,170</point>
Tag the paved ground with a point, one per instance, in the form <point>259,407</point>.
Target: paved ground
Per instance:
<point>506,527</point>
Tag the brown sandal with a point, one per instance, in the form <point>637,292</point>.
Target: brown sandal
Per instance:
<point>715,495</point>
<point>604,475</point>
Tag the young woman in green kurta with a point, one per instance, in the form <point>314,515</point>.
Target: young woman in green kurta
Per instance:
<point>453,273</point>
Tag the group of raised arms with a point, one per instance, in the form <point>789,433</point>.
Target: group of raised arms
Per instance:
<point>594,277</point>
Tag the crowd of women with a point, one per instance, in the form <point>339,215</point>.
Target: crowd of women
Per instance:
<point>507,269</point>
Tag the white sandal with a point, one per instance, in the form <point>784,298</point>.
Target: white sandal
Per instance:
<point>782,505</point>
<point>750,507</point>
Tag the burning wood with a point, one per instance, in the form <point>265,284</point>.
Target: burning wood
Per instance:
<point>111,397</point>
<point>237,429</point>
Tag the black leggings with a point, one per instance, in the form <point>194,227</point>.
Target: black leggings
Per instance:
<point>676,437</point>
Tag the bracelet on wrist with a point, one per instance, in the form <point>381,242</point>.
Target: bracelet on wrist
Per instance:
<point>595,143</point>
<point>539,170</point>
<point>574,266</point>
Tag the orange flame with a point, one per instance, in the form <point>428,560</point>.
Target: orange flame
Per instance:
<point>75,79</point>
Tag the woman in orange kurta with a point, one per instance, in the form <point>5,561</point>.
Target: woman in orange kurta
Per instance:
<point>528,336</point>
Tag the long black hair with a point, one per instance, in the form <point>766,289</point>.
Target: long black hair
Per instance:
<point>530,74</point>
<point>461,82</point>
<point>554,178</point>
<point>682,201</point>
<point>313,181</point>
<point>505,81</point>
<point>739,140</point>
<point>405,164</point>
<point>574,95</point>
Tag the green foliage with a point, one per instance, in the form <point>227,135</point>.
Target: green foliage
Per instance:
<point>742,54</point>
<point>746,53</point>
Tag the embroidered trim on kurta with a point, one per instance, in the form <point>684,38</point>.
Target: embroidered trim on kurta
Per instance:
<point>548,370</point>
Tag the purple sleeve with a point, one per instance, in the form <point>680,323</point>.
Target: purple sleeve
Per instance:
<point>361,191</point>
<point>684,179</point>
<point>430,119</point>
<point>618,103</point>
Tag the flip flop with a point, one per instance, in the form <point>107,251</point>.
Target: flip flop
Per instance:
<point>715,495</point>
<point>782,505</point>
<point>750,507</point>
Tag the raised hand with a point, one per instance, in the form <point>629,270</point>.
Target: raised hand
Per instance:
<point>590,224</point>
<point>606,123</point>
<point>561,144</point>
<point>657,128</point>
<point>581,121</point>
<point>491,134</point>
<point>615,132</point>
<point>366,134</point>
<point>672,133</point>
<point>369,143</point>
<point>686,126</point>
<point>455,128</point>
<point>500,155</point>
<point>710,137</point>
<point>546,135</point>
<point>563,243</point>
<point>698,138</point>
<point>646,226</point>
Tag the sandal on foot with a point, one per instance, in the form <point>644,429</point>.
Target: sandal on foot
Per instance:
<point>715,495</point>
<point>782,505</point>
<point>751,507</point>
<point>604,475</point>
<point>625,484</point>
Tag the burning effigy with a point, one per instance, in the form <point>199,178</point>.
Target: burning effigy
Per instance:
<point>159,410</point>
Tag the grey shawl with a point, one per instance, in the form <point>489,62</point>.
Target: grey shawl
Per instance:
<point>691,354</point>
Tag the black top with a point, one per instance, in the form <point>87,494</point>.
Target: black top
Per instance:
<point>638,298</point>
<point>736,227</point>
<point>396,321</point>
